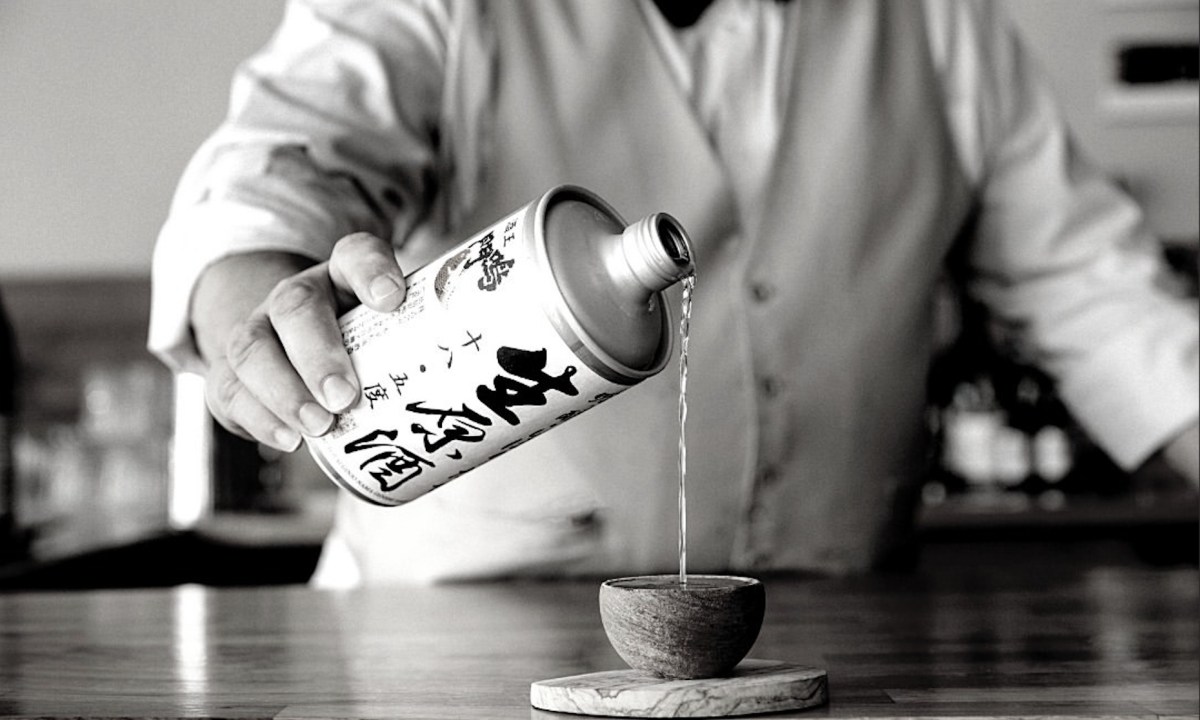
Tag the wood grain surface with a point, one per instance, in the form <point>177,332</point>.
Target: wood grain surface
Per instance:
<point>754,687</point>
<point>978,640</point>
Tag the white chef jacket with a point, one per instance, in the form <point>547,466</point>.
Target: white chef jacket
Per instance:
<point>826,156</point>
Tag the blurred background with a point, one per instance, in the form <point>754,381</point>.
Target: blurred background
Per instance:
<point>114,475</point>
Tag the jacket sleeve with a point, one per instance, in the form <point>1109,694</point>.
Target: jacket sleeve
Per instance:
<point>331,129</point>
<point>1063,258</point>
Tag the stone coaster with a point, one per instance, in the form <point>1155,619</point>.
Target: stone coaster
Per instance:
<point>755,686</point>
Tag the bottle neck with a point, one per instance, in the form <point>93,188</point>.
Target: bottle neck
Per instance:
<point>657,251</point>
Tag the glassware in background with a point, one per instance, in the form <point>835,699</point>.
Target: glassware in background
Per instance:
<point>126,426</point>
<point>102,480</point>
<point>1006,446</point>
<point>11,544</point>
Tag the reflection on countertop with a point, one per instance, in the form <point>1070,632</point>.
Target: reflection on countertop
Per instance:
<point>1040,634</point>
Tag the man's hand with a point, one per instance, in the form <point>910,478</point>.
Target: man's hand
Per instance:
<point>266,324</point>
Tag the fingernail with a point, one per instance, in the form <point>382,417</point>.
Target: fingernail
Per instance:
<point>384,288</point>
<point>338,393</point>
<point>287,439</point>
<point>315,419</point>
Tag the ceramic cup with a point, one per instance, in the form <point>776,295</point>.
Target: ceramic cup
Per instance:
<point>699,630</point>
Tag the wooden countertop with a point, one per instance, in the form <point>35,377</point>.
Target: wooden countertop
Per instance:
<point>1024,639</point>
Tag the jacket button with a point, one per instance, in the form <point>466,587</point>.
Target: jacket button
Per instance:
<point>767,476</point>
<point>761,291</point>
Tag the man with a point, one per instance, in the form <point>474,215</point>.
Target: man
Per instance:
<point>826,158</point>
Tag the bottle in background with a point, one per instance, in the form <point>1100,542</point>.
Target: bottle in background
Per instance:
<point>966,418</point>
<point>1035,411</point>
<point>1002,432</point>
<point>10,544</point>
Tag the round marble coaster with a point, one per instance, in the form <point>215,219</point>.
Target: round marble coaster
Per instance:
<point>755,686</point>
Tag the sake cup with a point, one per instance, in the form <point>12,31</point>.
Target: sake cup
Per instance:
<point>699,629</point>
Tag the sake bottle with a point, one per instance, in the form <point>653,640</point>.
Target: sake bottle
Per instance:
<point>550,311</point>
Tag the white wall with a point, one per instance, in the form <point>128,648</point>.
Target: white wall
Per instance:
<point>1149,137</point>
<point>101,104</point>
<point>103,101</point>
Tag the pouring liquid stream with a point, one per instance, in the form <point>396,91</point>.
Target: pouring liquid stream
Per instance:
<point>689,286</point>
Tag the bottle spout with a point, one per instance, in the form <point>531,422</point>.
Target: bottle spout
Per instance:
<point>658,251</point>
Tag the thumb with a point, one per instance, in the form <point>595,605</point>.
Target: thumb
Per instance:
<point>363,267</point>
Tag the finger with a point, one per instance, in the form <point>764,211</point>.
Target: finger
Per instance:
<point>263,368</point>
<point>302,314</point>
<point>232,405</point>
<point>366,266</point>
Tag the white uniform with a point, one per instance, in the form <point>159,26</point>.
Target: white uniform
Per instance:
<point>825,156</point>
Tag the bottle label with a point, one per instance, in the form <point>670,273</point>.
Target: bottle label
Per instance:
<point>466,369</point>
